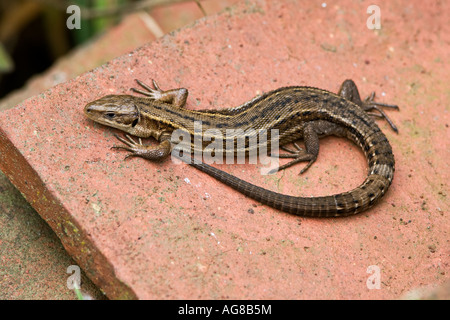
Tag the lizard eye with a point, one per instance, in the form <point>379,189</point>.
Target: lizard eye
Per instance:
<point>110,115</point>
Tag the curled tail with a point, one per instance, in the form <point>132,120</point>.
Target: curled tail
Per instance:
<point>381,171</point>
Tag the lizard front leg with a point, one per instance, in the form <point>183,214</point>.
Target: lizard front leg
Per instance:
<point>175,97</point>
<point>137,149</point>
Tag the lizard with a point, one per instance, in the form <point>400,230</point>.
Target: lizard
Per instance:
<point>297,112</point>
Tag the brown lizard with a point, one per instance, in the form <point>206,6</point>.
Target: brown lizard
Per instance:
<point>296,112</point>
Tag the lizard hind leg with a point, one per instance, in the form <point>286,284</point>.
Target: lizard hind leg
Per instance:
<point>350,92</point>
<point>310,153</point>
<point>369,104</point>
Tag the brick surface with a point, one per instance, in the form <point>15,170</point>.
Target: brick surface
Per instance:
<point>149,230</point>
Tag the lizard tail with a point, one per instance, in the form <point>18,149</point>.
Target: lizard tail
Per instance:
<point>338,205</point>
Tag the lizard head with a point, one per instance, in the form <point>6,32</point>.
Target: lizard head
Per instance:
<point>117,111</point>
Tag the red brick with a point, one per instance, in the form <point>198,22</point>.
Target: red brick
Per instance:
<point>148,230</point>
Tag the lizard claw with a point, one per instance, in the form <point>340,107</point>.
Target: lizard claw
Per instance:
<point>298,155</point>
<point>294,152</point>
<point>130,155</point>
<point>155,84</point>
<point>155,94</point>
<point>370,104</point>
<point>132,146</point>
